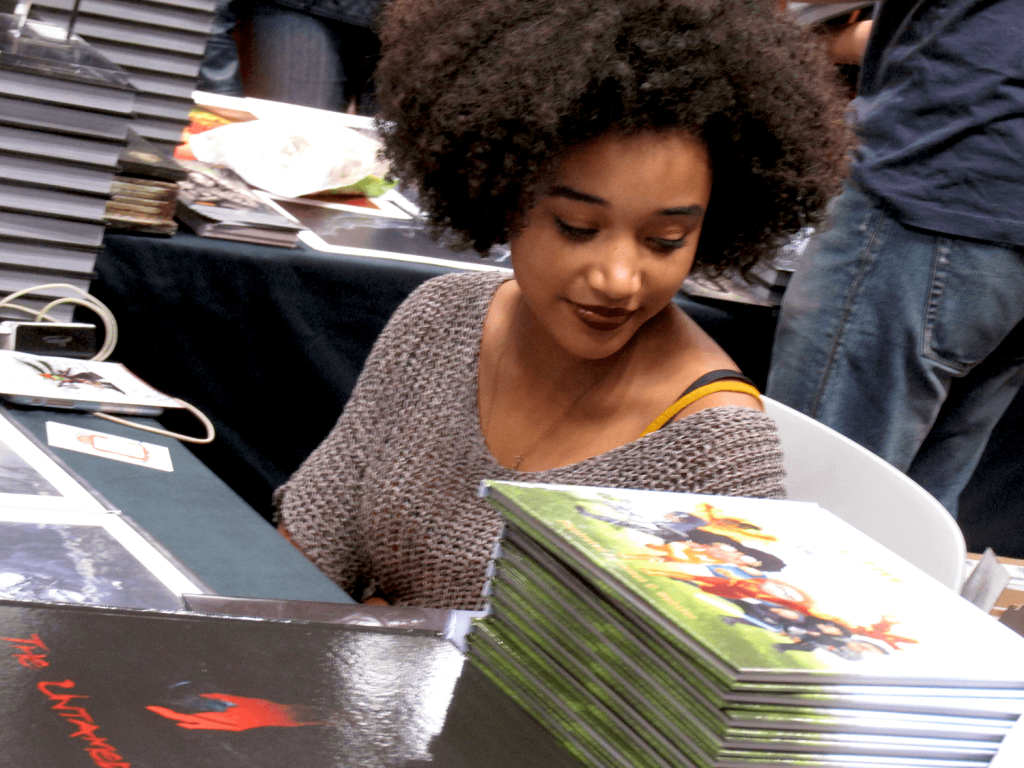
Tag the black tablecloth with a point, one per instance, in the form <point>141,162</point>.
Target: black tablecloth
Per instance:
<point>269,342</point>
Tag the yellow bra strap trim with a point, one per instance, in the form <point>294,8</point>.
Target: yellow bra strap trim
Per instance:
<point>726,385</point>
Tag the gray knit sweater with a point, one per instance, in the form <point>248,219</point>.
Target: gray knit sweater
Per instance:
<point>389,499</point>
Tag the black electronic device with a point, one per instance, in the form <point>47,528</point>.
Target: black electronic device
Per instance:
<point>77,340</point>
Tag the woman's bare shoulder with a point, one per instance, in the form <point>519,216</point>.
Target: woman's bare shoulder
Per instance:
<point>687,352</point>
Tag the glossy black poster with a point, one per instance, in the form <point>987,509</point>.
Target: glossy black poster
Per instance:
<point>113,688</point>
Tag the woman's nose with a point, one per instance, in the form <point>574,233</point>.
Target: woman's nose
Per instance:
<point>616,269</point>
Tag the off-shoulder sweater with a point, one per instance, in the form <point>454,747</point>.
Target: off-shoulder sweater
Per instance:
<point>389,500</point>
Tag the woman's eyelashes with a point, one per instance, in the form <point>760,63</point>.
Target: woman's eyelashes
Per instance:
<point>667,244</point>
<point>582,234</point>
<point>575,234</point>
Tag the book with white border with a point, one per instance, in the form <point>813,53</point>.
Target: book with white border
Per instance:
<point>32,478</point>
<point>889,623</point>
<point>87,558</point>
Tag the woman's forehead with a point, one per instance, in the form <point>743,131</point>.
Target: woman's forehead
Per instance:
<point>669,166</point>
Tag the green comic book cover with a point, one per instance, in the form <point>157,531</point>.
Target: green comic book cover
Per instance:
<point>771,591</point>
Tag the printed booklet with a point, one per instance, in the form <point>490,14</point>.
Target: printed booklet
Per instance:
<point>81,385</point>
<point>215,202</point>
<point>652,628</point>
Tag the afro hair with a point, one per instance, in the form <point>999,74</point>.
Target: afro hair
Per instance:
<point>479,97</point>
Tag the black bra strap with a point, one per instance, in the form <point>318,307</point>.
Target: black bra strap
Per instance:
<point>712,376</point>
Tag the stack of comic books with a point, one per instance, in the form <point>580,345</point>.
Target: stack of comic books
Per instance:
<point>159,43</point>
<point>660,629</point>
<point>64,117</point>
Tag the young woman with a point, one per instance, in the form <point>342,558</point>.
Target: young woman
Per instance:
<point>616,145</point>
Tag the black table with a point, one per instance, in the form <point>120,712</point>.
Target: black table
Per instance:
<point>269,342</point>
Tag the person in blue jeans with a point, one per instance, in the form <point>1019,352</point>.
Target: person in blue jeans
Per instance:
<point>903,327</point>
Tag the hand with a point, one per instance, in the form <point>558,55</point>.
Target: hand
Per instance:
<point>847,42</point>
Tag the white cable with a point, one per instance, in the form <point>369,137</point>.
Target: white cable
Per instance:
<point>210,432</point>
<point>5,304</point>
<point>84,299</point>
<point>90,302</point>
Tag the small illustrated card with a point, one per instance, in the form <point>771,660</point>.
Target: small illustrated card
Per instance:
<point>108,446</point>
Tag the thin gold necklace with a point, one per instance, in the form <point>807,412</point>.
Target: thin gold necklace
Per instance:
<point>494,391</point>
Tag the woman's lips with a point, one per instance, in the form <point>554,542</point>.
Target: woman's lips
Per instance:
<point>601,318</point>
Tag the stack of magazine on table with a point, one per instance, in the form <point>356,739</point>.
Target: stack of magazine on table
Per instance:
<point>144,195</point>
<point>64,117</point>
<point>159,43</point>
<point>215,202</point>
<point>661,629</point>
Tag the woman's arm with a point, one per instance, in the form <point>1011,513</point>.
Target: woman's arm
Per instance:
<point>319,507</point>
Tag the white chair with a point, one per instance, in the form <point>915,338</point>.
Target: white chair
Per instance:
<point>849,481</point>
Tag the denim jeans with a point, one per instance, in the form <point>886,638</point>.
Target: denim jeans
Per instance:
<point>220,70</point>
<point>909,342</point>
<point>311,61</point>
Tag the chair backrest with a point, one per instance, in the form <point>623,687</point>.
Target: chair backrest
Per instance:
<point>849,481</point>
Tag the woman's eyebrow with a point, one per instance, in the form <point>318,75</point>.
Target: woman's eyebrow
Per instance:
<point>575,194</point>
<point>695,211</point>
<point>685,210</point>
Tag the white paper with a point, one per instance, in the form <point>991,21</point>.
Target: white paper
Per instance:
<point>289,159</point>
<point>108,446</point>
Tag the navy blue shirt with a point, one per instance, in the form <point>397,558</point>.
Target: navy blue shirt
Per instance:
<point>940,112</point>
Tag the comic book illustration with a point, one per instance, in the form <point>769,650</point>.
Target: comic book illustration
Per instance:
<point>82,384</point>
<point>770,590</point>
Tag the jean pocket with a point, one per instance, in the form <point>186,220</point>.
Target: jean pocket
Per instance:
<point>974,302</point>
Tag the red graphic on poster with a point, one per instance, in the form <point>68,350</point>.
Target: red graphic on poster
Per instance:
<point>30,648</point>
<point>241,714</point>
<point>101,751</point>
